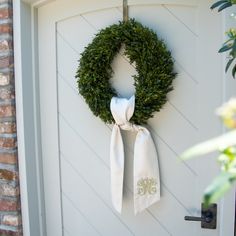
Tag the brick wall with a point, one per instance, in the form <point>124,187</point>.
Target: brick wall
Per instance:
<point>10,217</point>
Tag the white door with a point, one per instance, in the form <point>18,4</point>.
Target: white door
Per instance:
<point>75,144</point>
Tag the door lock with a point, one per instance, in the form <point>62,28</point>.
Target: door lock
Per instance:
<point>208,217</point>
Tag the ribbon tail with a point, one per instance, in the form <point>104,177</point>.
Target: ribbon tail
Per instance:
<point>117,167</point>
<point>146,171</point>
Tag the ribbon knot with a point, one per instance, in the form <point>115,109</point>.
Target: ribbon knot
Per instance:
<point>146,169</point>
<point>129,126</point>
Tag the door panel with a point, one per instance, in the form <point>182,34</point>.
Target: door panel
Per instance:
<point>75,144</point>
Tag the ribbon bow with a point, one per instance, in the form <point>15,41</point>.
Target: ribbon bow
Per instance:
<point>146,169</point>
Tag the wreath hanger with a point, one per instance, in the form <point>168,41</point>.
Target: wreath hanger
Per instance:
<point>125,11</point>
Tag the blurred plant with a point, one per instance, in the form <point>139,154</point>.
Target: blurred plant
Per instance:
<point>230,44</point>
<point>226,145</point>
<point>223,4</point>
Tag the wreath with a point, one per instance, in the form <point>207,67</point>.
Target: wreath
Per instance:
<point>153,61</point>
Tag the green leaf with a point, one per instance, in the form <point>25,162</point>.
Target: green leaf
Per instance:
<point>233,52</point>
<point>217,4</point>
<point>219,187</point>
<point>227,42</point>
<point>228,4</point>
<point>234,71</point>
<point>229,64</point>
<point>231,33</point>
<point>221,142</point>
<point>225,48</point>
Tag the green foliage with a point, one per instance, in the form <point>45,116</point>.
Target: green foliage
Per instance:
<point>220,185</point>
<point>226,145</point>
<point>230,44</point>
<point>154,65</point>
<point>223,4</point>
<point>218,143</point>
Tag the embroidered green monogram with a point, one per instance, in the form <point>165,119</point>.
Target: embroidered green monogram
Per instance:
<point>147,186</point>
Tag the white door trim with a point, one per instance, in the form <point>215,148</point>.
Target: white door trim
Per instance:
<point>229,88</point>
<point>28,136</point>
<point>20,117</point>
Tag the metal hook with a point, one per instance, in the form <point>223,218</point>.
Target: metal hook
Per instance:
<point>125,11</point>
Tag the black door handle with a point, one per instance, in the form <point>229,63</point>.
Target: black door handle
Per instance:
<point>193,218</point>
<point>208,217</point>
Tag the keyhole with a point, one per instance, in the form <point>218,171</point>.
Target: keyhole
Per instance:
<point>122,80</point>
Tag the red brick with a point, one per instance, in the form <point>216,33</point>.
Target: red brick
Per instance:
<point>6,28</point>
<point>11,220</point>
<point>7,93</point>
<point>6,1</point>
<point>7,190</point>
<point>5,45</point>
<point>10,233</point>
<point>5,13</point>
<point>8,158</point>
<point>8,175</point>
<point>4,79</point>
<point>9,205</point>
<point>9,201</point>
<point>6,62</point>
<point>8,143</point>
<point>7,127</point>
<point>7,111</point>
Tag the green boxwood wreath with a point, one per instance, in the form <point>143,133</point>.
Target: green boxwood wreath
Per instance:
<point>154,65</point>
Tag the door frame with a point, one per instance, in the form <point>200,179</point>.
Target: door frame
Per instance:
<point>28,121</point>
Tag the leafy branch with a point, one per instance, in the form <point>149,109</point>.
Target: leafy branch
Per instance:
<point>230,44</point>
<point>226,145</point>
<point>223,4</point>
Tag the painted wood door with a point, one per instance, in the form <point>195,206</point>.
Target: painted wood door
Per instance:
<point>75,144</point>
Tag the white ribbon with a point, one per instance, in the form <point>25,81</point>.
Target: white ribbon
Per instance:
<point>146,169</point>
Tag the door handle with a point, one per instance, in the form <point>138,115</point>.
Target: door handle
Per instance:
<point>193,218</point>
<point>208,217</point>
